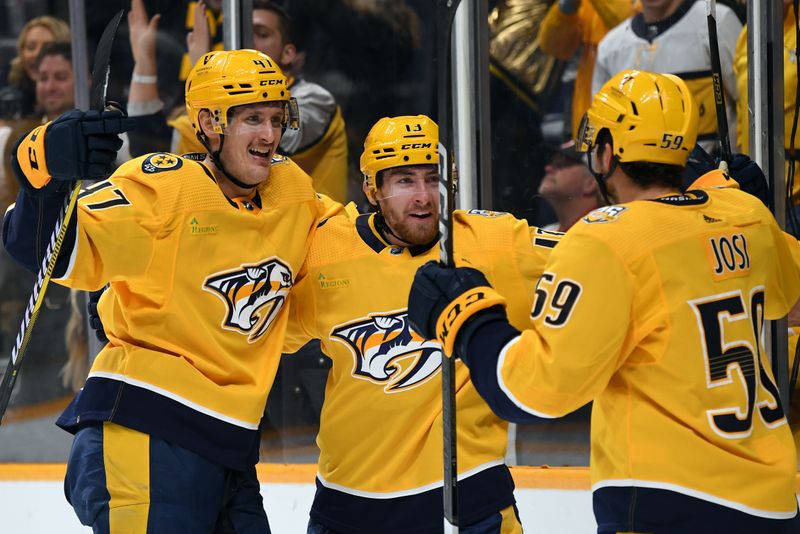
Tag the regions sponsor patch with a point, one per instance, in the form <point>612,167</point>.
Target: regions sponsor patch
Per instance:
<point>605,214</point>
<point>161,162</point>
<point>332,283</point>
<point>196,227</point>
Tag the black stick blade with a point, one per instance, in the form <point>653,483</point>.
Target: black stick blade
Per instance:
<point>102,63</point>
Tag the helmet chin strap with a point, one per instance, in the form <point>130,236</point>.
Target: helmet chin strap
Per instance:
<point>217,159</point>
<point>383,227</point>
<point>601,178</point>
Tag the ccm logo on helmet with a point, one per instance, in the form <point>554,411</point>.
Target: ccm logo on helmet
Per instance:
<point>415,145</point>
<point>271,82</point>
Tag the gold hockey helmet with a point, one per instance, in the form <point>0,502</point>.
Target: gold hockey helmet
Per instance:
<point>651,117</point>
<point>399,141</point>
<point>222,80</point>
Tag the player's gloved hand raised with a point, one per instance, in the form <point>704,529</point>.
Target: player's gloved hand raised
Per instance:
<point>443,299</point>
<point>701,171</point>
<point>750,177</point>
<point>84,144</point>
<point>94,317</point>
<point>699,163</point>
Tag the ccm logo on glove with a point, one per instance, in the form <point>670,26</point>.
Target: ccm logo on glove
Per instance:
<point>461,309</point>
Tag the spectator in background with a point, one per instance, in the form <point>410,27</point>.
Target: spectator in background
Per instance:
<point>213,30</point>
<point>372,56</point>
<point>53,95</point>
<point>671,36</point>
<point>573,26</point>
<point>18,98</point>
<point>524,80</point>
<point>569,186</point>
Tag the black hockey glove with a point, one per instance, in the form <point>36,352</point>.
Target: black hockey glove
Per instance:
<point>94,317</point>
<point>699,163</point>
<point>750,177</point>
<point>77,145</point>
<point>84,144</point>
<point>741,168</point>
<point>443,299</point>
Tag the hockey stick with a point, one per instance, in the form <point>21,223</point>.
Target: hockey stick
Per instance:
<point>790,176</point>
<point>98,99</point>
<point>716,78</point>
<point>445,13</point>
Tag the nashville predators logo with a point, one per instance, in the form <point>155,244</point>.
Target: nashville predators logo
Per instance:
<point>253,295</point>
<point>388,352</point>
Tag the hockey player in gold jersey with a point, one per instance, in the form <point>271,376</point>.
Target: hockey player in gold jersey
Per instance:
<point>200,257</point>
<point>688,433</point>
<point>380,437</point>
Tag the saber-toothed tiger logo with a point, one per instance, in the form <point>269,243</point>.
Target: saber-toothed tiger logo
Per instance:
<point>253,294</point>
<point>388,352</point>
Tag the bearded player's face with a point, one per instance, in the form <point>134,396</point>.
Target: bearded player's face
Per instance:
<point>409,200</point>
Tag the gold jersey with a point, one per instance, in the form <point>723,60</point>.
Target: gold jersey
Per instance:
<point>674,291</point>
<point>193,314</point>
<point>380,434</point>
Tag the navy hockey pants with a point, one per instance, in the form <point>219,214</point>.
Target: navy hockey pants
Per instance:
<point>506,521</point>
<point>123,481</point>
<point>658,511</point>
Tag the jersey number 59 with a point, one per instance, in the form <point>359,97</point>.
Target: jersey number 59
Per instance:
<point>558,297</point>
<point>723,355</point>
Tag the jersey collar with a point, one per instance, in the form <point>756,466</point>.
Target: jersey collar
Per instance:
<point>689,198</point>
<point>365,226</point>
<point>250,202</point>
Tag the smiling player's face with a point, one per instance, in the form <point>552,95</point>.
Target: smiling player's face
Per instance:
<point>251,138</point>
<point>409,201</point>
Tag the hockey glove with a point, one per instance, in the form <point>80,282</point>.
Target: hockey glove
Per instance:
<point>77,145</point>
<point>443,299</point>
<point>750,177</point>
<point>94,317</point>
<point>701,168</point>
<point>699,163</point>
